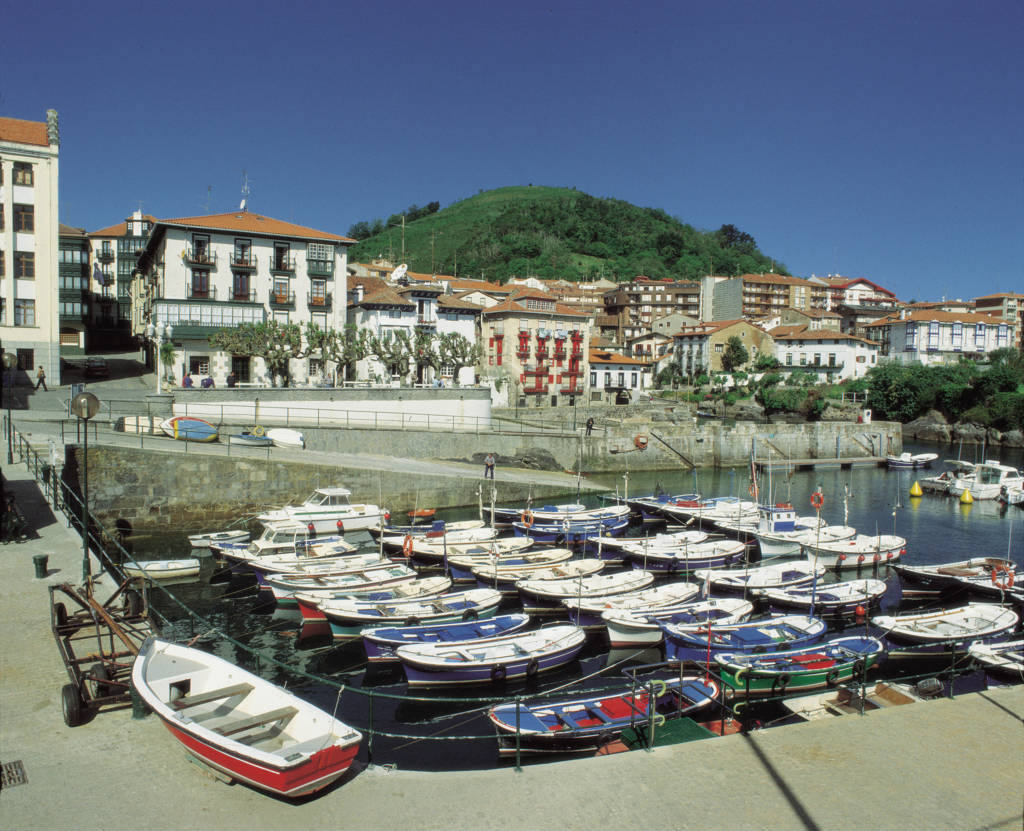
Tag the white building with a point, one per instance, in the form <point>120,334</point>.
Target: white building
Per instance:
<point>932,336</point>
<point>830,355</point>
<point>29,229</point>
<point>619,378</point>
<point>206,273</point>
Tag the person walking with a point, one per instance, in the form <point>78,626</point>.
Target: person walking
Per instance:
<point>41,379</point>
<point>489,466</point>
<point>590,425</point>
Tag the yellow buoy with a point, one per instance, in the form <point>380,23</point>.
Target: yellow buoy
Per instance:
<point>915,489</point>
<point>966,498</point>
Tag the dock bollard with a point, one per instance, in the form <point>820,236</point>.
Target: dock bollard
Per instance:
<point>139,708</point>
<point>40,561</point>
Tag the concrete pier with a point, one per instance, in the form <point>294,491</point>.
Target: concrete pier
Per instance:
<point>949,764</point>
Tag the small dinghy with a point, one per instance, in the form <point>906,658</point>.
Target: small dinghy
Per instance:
<point>218,537</point>
<point>494,660</point>
<point>959,572</point>
<point>186,428</point>
<point>421,587</point>
<point>846,700</point>
<point>684,643</point>
<point>349,618</point>
<point>381,642</point>
<point>461,565</point>
<point>586,612</point>
<point>669,541</point>
<point>788,543</point>
<point>923,634</point>
<point>775,575</point>
<point>773,673</point>
<point>504,578</point>
<point>586,724</point>
<point>910,460</point>
<point>641,629</point>
<point>826,599</point>
<point>1006,659</point>
<point>861,551</point>
<point>421,529</point>
<point>436,539</point>
<point>686,559</point>
<point>250,440</point>
<point>162,569</point>
<point>651,508</point>
<point>356,582</point>
<point>247,728</point>
<point>546,596</point>
<point>284,437</point>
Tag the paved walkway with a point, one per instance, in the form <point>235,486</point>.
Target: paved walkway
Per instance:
<point>944,764</point>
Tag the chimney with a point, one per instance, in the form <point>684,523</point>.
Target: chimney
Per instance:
<point>52,130</point>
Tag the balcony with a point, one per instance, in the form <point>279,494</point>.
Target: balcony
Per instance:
<point>541,371</point>
<point>540,389</point>
<point>282,264</point>
<point>559,354</point>
<point>241,296</point>
<point>320,302</point>
<point>320,268</point>
<point>201,292</point>
<point>523,354</point>
<point>542,353</point>
<point>281,300</point>
<point>243,262</point>
<point>105,255</point>
<point>202,257</point>
<point>130,246</point>
<point>571,390</point>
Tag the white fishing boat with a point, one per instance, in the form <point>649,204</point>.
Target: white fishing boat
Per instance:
<point>329,511</point>
<point>923,634</point>
<point>287,438</point>
<point>788,543</point>
<point>640,629</point>
<point>910,460</point>
<point>239,535</point>
<point>586,612</point>
<point>1006,658</point>
<point>944,481</point>
<point>987,480</point>
<point>771,576</point>
<point>546,596</point>
<point>162,569</point>
<point>848,699</point>
<point>859,551</point>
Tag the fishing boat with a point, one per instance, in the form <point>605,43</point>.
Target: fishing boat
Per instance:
<point>651,508</point>
<point>569,531</point>
<point>1006,659</point>
<point>987,480</point>
<point>348,618</point>
<point>585,724</point>
<point>788,543</point>
<point>910,460</point>
<point>355,582</point>
<point>162,569</point>
<point>1011,494</point>
<point>217,537</point>
<point>668,541</point>
<point>328,510</point>
<point>249,729</point>
<point>247,439</point>
<point>186,428</point>
<point>287,438</point>
<point>314,562</point>
<point>923,634</point>
<point>687,559</point>
<point>552,514</point>
<point>727,508</point>
<point>829,600</point>
<point>504,578</point>
<point>381,642</point>
<point>954,574</point>
<point>546,596</point>
<point>586,612</point>
<point>773,575</point>
<point>439,535</point>
<point>824,664</point>
<point>859,551</point>
<point>495,660</point>
<point>781,632</point>
<point>308,599</point>
<point>848,699</point>
<point>280,537</point>
<point>422,528</point>
<point>642,628</point>
<point>461,566</point>
<point>432,551</point>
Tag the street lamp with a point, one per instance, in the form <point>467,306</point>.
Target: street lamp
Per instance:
<point>158,333</point>
<point>10,362</point>
<point>85,405</point>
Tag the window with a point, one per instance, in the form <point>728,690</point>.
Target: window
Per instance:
<point>199,364</point>
<point>200,283</point>
<point>2,266</point>
<point>24,312</point>
<point>23,174</point>
<point>1,216</point>
<point>320,252</point>
<point>832,359</point>
<point>719,347</point>
<point>958,336</point>
<point>593,378</point>
<point>24,265</point>
<point>316,369</point>
<point>318,293</point>
<point>243,252</point>
<point>280,290</point>
<point>803,359</point>
<point>860,359</point>
<point>240,366</point>
<point>200,248</point>
<point>240,286</point>
<point>25,218</point>
<point>282,256</point>
<point>789,359</point>
<point>3,312</point>
<point>633,380</point>
<point>73,309</point>
<point>622,379</point>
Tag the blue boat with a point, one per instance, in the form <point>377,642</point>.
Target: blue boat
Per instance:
<point>382,641</point>
<point>571,531</point>
<point>765,635</point>
<point>652,508</point>
<point>186,428</point>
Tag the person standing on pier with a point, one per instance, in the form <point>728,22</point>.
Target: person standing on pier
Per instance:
<point>489,466</point>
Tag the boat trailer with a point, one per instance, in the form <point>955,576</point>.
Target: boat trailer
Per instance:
<point>98,643</point>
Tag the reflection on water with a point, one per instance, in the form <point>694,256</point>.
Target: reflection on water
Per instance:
<point>421,726</point>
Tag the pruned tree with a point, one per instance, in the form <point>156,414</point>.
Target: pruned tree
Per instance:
<point>458,351</point>
<point>393,349</point>
<point>424,353</point>
<point>276,343</point>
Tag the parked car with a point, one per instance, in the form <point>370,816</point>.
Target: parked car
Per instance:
<point>96,368</point>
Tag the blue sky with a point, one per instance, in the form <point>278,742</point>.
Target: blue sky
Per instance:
<point>881,140</point>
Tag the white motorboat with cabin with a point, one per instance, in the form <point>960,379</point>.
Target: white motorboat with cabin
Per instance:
<point>329,511</point>
<point>987,480</point>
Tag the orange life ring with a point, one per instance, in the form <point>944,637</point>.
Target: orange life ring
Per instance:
<point>752,489</point>
<point>1002,586</point>
<point>817,500</point>
<point>527,518</point>
<point>640,441</point>
<point>407,546</point>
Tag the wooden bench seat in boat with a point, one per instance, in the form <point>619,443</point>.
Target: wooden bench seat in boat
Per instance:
<point>210,695</point>
<point>229,728</point>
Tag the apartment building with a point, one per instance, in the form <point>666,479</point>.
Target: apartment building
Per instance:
<point>201,274</point>
<point>830,355</point>
<point>539,345</point>
<point>858,292</point>
<point>700,348</point>
<point>73,296</point>
<point>936,336</point>
<point>1006,306</point>
<point>29,248</point>
<point>631,308</point>
<point>617,379</point>
<point>114,255</point>
<point>757,295</point>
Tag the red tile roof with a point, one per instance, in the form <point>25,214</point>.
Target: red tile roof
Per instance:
<point>928,315</point>
<point>23,132</point>
<point>250,223</point>
<point>514,306</point>
<point>785,333</point>
<point>119,230</point>
<point>601,356</point>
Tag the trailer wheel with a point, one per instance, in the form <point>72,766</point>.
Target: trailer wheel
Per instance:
<point>72,705</point>
<point>99,675</point>
<point>60,614</point>
<point>132,603</point>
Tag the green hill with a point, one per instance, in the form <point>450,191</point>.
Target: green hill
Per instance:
<point>555,233</point>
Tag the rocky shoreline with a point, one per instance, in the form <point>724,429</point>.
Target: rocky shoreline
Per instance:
<point>932,426</point>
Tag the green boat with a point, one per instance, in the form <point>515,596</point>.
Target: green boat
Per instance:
<point>776,673</point>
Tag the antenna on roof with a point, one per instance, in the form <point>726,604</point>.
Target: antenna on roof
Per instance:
<point>245,190</point>
<point>209,191</point>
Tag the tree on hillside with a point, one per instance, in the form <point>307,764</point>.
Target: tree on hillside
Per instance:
<point>735,354</point>
<point>729,236</point>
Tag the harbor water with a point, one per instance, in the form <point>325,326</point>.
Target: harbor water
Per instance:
<point>450,731</point>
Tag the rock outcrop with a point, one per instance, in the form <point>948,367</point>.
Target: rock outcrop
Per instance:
<point>932,426</point>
